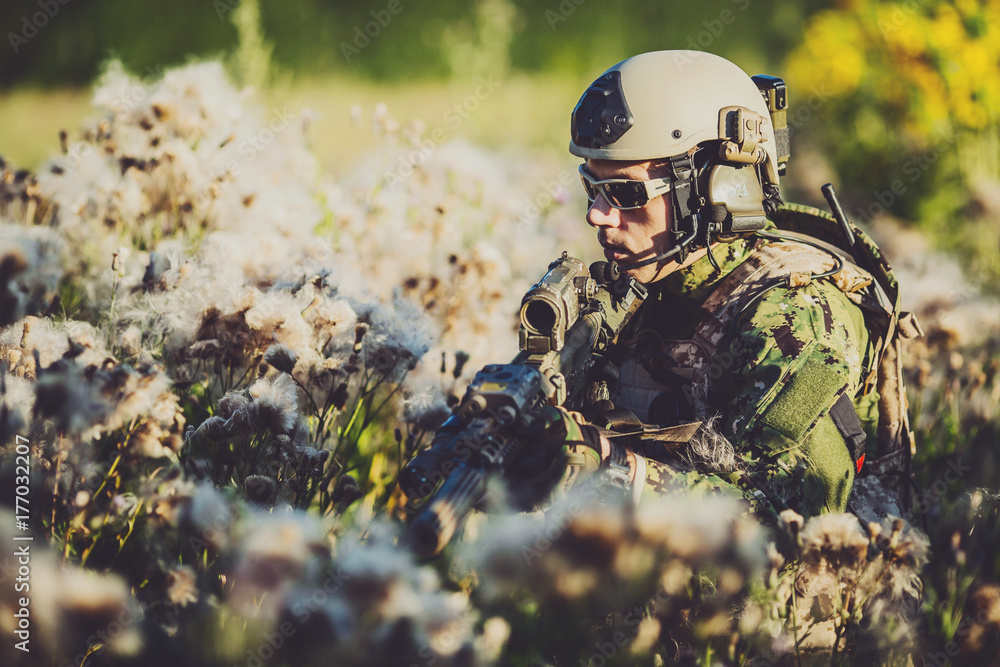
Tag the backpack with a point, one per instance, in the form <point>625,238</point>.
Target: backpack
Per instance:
<point>889,462</point>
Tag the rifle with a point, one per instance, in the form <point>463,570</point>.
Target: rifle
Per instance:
<point>568,320</point>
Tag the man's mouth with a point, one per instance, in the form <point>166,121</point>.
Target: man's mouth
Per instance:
<point>615,254</point>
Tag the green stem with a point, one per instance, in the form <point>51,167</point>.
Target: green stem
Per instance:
<point>114,293</point>
<point>327,404</point>
<point>244,376</point>
<point>108,476</point>
<point>128,533</point>
<point>346,431</point>
<point>370,416</point>
<point>88,550</point>
<point>795,626</point>
<point>306,392</point>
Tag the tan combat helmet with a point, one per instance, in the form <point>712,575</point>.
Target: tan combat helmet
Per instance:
<point>664,103</point>
<point>723,132</point>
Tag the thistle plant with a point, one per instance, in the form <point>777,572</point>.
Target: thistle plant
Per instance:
<point>216,424</point>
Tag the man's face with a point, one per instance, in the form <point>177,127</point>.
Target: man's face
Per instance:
<point>635,234</point>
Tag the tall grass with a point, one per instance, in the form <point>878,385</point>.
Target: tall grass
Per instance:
<point>221,357</point>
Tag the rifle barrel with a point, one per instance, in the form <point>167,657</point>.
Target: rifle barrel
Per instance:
<point>436,524</point>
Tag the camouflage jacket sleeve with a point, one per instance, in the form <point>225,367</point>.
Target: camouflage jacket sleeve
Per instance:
<point>794,353</point>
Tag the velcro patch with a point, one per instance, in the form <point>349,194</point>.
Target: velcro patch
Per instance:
<point>809,392</point>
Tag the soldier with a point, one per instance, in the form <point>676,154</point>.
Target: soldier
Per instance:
<point>785,343</point>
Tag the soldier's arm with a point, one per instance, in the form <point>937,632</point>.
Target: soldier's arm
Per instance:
<point>793,356</point>
<point>584,449</point>
<point>581,450</point>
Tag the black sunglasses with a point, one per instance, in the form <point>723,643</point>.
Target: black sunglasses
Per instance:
<point>623,193</point>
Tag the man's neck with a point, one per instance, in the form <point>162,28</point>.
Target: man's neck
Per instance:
<point>673,267</point>
<point>697,277</point>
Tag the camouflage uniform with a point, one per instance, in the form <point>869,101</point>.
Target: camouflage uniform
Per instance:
<point>791,363</point>
<point>772,378</point>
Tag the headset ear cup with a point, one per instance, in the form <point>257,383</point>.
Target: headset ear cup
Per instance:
<point>737,191</point>
<point>715,211</point>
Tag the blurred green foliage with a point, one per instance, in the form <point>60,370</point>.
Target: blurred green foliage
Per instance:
<point>418,41</point>
<point>905,108</point>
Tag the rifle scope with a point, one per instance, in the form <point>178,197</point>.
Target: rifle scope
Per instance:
<point>553,305</point>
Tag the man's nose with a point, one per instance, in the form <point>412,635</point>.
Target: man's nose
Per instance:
<point>602,214</point>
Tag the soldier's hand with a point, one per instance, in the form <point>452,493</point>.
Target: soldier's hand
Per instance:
<point>560,451</point>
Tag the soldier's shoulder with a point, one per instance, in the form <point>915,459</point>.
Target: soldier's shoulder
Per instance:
<point>789,288</point>
<point>785,325</point>
<point>790,319</point>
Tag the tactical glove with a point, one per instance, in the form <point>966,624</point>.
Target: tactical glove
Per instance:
<point>560,452</point>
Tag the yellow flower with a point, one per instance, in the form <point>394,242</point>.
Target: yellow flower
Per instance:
<point>968,7</point>
<point>900,28</point>
<point>907,40</point>
<point>977,62</point>
<point>933,103</point>
<point>939,61</point>
<point>946,31</point>
<point>829,51</point>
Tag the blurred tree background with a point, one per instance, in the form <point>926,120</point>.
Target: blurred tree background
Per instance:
<point>909,94</point>
<point>330,54</point>
<point>572,36</point>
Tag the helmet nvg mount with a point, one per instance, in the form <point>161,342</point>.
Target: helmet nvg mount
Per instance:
<point>722,134</point>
